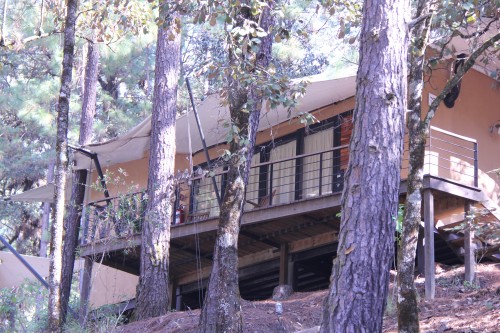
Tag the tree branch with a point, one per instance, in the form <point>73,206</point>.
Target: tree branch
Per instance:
<point>477,33</point>
<point>417,20</point>
<point>458,76</point>
<point>28,39</point>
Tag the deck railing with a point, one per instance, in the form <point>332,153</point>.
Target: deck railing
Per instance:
<point>448,156</point>
<point>284,181</point>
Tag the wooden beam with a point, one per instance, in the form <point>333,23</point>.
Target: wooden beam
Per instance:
<point>110,245</point>
<point>313,242</point>
<point>260,238</point>
<point>283,264</point>
<point>469,257</point>
<point>202,255</point>
<point>261,215</point>
<point>262,256</point>
<point>430,283</point>
<point>452,187</point>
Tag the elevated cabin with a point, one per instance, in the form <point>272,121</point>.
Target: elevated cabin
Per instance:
<point>290,224</point>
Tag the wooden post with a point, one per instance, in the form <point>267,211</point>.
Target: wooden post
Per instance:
<point>420,253</point>
<point>470,259</point>
<point>430,283</point>
<point>291,273</point>
<point>283,264</point>
<point>178,299</point>
<point>85,286</point>
<point>172,290</point>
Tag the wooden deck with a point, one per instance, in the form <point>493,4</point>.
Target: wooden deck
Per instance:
<point>266,235</point>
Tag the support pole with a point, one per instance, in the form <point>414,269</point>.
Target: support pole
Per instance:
<point>291,273</point>
<point>283,264</point>
<point>202,136</point>
<point>85,287</point>
<point>430,283</point>
<point>95,159</point>
<point>178,299</point>
<point>469,247</point>
<point>24,262</point>
<point>29,267</point>
<point>420,252</point>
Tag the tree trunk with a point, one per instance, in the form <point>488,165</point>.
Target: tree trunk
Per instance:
<point>418,131</point>
<point>3,30</point>
<point>55,270</point>
<point>72,222</point>
<point>406,292</point>
<point>221,310</point>
<point>45,233</point>
<point>152,292</point>
<point>360,273</point>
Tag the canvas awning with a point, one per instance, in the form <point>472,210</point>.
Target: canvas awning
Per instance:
<point>43,193</point>
<point>135,144</point>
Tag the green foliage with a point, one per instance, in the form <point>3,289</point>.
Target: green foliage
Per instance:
<point>24,308</point>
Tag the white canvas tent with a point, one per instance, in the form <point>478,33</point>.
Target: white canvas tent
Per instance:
<point>134,144</point>
<point>104,290</point>
<point>44,193</point>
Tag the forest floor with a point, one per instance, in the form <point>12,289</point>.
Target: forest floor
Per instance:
<point>458,307</point>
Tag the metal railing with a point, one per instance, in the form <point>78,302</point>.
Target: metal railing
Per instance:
<point>284,181</point>
<point>448,156</point>
<point>118,217</point>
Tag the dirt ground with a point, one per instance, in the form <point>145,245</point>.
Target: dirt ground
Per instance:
<point>459,307</point>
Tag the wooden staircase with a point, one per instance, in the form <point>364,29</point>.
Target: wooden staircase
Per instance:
<point>449,227</point>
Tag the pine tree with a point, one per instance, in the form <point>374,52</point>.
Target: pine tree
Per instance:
<point>152,292</point>
<point>360,273</point>
<point>55,270</point>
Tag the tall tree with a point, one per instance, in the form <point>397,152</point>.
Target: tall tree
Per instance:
<point>45,235</point>
<point>360,273</point>
<point>72,222</point>
<point>407,295</point>
<point>56,231</point>
<point>418,129</point>
<point>221,310</point>
<point>152,292</point>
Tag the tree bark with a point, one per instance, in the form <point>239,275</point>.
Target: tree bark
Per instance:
<point>45,233</point>
<point>152,292</point>
<point>55,270</point>
<point>418,130</point>
<point>360,273</point>
<point>72,222</point>
<point>406,292</point>
<point>221,310</point>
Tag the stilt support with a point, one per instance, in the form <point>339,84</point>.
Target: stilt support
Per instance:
<point>430,283</point>
<point>284,264</point>
<point>469,247</point>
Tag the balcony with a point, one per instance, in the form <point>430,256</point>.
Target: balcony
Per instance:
<point>307,183</point>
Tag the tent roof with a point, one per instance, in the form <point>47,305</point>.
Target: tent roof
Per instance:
<point>134,144</point>
<point>43,193</point>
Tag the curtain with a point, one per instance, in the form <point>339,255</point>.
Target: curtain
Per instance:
<point>283,180</point>
<point>315,143</point>
<point>253,183</point>
<point>205,200</point>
